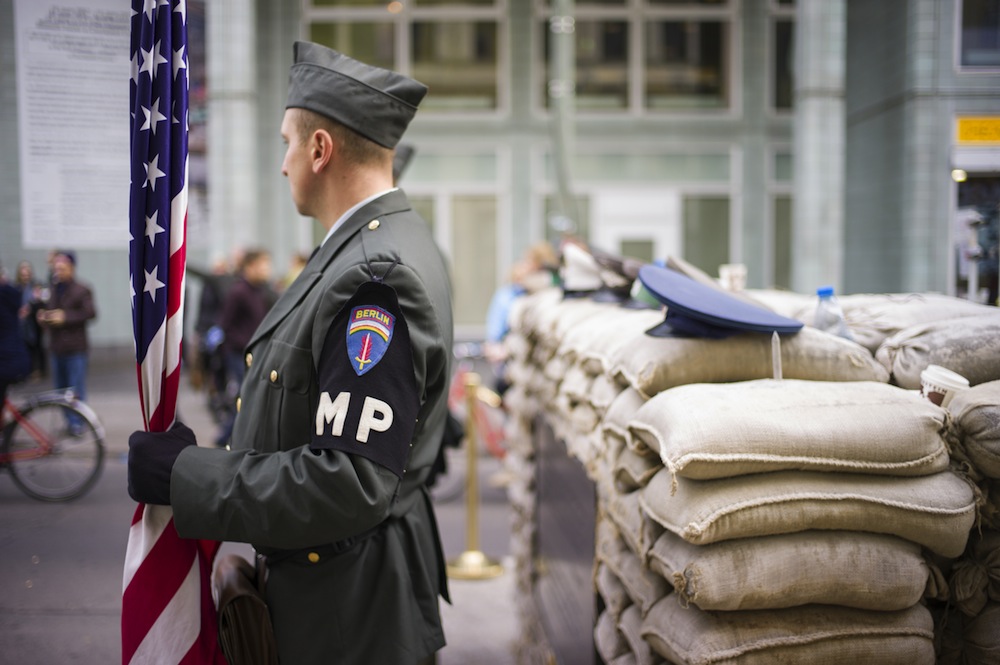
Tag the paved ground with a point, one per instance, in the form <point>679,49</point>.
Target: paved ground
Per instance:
<point>60,564</point>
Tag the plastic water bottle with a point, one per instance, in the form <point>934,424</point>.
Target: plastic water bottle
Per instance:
<point>830,315</point>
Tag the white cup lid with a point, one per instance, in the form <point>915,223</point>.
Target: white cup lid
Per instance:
<point>940,376</point>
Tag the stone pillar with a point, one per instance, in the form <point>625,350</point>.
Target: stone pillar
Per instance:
<point>819,131</point>
<point>232,124</point>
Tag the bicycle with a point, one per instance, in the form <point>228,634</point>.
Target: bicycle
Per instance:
<point>52,444</point>
<point>489,418</point>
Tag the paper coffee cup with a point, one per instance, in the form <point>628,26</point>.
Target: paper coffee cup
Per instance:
<point>733,276</point>
<point>940,385</point>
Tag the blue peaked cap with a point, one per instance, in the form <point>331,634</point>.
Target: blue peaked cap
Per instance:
<point>697,310</point>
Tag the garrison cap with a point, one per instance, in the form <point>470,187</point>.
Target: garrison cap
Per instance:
<point>697,310</point>
<point>374,102</point>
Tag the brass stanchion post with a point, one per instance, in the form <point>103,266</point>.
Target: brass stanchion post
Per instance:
<point>472,564</point>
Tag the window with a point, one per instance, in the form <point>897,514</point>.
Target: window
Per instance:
<point>686,64</point>
<point>782,239</point>
<point>453,46</point>
<point>979,43</point>
<point>373,43</point>
<point>783,81</point>
<point>706,231</point>
<point>473,256</point>
<point>601,64</point>
<point>647,56</point>
<point>457,60</point>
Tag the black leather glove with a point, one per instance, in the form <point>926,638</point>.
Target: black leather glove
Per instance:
<point>151,457</point>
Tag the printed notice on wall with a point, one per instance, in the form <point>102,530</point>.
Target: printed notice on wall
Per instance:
<point>72,92</point>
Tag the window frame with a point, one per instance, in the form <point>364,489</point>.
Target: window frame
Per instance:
<point>636,14</point>
<point>403,21</point>
<point>959,67</point>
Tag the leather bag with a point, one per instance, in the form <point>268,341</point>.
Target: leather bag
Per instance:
<point>245,631</point>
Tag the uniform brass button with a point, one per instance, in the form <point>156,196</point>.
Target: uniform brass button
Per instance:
<point>239,404</point>
<point>249,359</point>
<point>374,224</point>
<point>274,375</point>
<point>313,557</point>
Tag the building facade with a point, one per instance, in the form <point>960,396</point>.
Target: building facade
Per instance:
<point>813,141</point>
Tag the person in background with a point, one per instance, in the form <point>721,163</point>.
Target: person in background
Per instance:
<point>15,364</point>
<point>32,293</point>
<point>64,318</point>
<point>210,364</point>
<point>533,271</point>
<point>298,262</point>
<point>249,298</point>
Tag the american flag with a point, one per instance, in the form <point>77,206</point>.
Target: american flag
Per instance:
<point>168,616</point>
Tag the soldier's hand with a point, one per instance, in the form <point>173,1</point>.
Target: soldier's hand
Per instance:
<point>151,457</point>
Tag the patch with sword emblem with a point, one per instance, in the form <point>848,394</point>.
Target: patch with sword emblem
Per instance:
<point>369,332</point>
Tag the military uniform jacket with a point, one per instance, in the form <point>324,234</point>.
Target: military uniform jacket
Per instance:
<point>310,467</point>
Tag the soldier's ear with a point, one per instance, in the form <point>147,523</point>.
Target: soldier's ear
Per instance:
<point>322,148</point>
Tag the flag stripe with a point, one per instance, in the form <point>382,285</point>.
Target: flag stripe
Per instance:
<point>175,628</point>
<point>154,584</point>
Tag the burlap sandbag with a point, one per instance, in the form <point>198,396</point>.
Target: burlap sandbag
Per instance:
<point>849,568</point>
<point>975,579</point>
<point>556,368</point>
<point>572,314</point>
<point>644,587</point>
<point>608,641</point>
<point>708,430</point>
<point>873,317</point>
<point>624,659</point>
<point>637,529</point>
<point>526,310</point>
<point>613,592</point>
<point>935,511</point>
<point>622,410</point>
<point>576,383</point>
<point>786,303</point>
<point>603,392</point>
<point>630,624</point>
<point>592,340</point>
<point>620,330</point>
<point>976,419</point>
<point>982,637</point>
<point>634,469</point>
<point>813,634</point>
<point>654,364</point>
<point>548,315</point>
<point>969,346</point>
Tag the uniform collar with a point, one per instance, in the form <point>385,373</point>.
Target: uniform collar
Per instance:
<point>353,209</point>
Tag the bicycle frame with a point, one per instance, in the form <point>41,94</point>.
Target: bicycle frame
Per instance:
<point>66,397</point>
<point>45,444</point>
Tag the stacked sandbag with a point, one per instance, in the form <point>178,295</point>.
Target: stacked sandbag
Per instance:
<point>852,508</point>
<point>526,358</point>
<point>795,514</point>
<point>874,317</point>
<point>968,621</point>
<point>652,365</point>
<point>969,346</point>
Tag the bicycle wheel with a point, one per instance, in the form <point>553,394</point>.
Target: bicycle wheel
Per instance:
<point>55,452</point>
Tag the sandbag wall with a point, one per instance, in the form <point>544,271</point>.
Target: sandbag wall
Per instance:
<point>743,519</point>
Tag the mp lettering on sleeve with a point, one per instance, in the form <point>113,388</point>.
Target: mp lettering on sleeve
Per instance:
<point>368,398</point>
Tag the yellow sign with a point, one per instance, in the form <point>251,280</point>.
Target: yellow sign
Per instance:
<point>979,129</point>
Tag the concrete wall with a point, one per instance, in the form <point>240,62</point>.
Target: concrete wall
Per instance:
<point>904,91</point>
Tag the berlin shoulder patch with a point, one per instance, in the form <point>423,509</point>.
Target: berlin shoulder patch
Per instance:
<point>369,332</point>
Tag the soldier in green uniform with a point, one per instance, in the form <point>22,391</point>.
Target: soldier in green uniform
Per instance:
<point>343,405</point>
